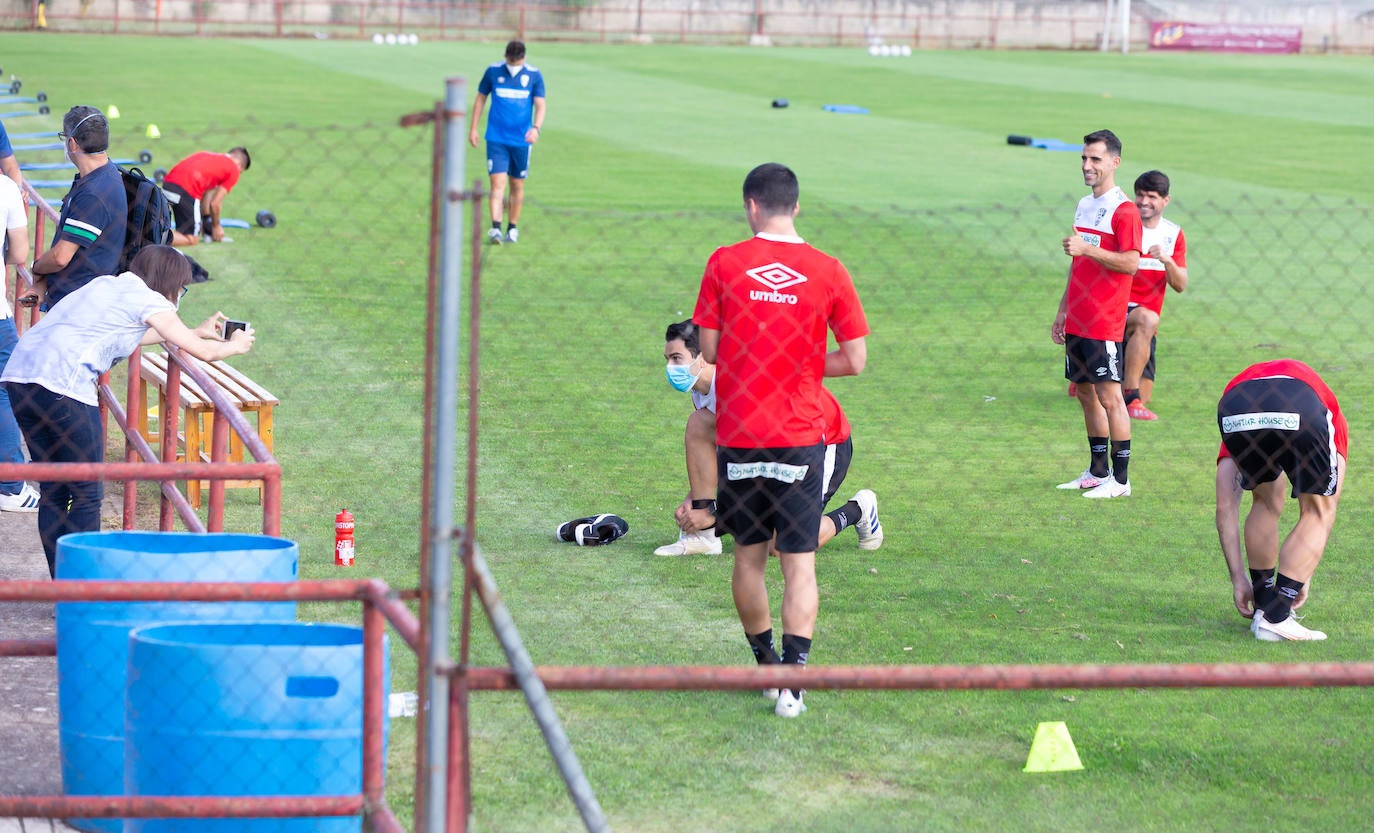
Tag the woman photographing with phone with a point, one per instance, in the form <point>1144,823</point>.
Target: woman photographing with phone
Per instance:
<point>52,374</point>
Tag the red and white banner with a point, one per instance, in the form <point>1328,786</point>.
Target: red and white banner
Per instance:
<point>1225,37</point>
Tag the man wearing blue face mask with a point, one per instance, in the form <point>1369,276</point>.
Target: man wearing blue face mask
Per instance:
<point>688,371</point>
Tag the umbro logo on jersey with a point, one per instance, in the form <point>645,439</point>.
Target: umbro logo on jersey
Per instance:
<point>524,80</point>
<point>775,276</point>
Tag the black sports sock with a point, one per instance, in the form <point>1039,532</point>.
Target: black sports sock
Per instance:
<point>762,646</point>
<point>1121,460</point>
<point>496,224</point>
<point>510,227</point>
<point>795,649</point>
<point>1281,606</point>
<point>846,515</point>
<point>1130,395</point>
<point>1097,447</point>
<point>1263,583</point>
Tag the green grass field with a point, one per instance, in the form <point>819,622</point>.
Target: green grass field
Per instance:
<point>960,422</point>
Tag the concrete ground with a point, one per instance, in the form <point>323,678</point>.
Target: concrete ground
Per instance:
<point>28,685</point>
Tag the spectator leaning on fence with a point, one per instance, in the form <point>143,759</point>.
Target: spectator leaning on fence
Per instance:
<point>763,310</point>
<point>90,231</point>
<point>15,495</point>
<point>1278,418</point>
<point>1104,245</point>
<point>196,187</point>
<point>51,376</point>
<point>516,90</point>
<point>1164,265</point>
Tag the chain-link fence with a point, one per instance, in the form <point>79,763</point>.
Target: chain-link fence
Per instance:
<point>1052,24</point>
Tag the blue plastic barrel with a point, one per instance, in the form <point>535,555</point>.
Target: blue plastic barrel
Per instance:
<point>93,637</point>
<point>244,709</point>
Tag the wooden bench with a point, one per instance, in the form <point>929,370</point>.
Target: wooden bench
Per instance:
<point>252,400</point>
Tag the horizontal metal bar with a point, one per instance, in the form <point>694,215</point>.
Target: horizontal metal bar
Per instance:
<point>28,647</point>
<point>197,591</point>
<point>150,806</point>
<point>67,472</point>
<point>938,677</point>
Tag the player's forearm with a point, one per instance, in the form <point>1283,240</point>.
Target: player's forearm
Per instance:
<point>1124,262</point>
<point>1228,519</point>
<point>1176,275</point>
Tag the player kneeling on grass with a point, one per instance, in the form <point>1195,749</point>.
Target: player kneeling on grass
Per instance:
<point>1278,418</point>
<point>688,372</point>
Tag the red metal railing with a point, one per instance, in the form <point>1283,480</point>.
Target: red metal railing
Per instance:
<point>380,606</point>
<point>141,463</point>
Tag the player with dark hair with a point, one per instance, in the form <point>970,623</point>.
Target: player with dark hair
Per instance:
<point>89,238</point>
<point>196,187</point>
<point>1164,265</point>
<point>1277,419</point>
<point>1091,322</point>
<point>688,372</point>
<point>516,120</point>
<point>764,309</point>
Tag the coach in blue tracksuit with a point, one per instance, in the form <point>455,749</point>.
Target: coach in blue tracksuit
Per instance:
<point>517,115</point>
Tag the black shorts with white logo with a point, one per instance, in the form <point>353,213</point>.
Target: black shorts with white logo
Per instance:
<point>766,491</point>
<point>1088,361</point>
<point>185,209</point>
<point>837,459</point>
<point>1279,425</point>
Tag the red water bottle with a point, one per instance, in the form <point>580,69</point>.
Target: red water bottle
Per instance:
<point>343,539</point>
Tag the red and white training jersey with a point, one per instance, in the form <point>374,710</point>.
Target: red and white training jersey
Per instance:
<point>1150,283</point>
<point>837,428</point>
<point>1294,369</point>
<point>1097,296</point>
<point>773,299</point>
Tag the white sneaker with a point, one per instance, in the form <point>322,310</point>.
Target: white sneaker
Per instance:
<point>495,236</point>
<point>705,542</point>
<point>868,526</point>
<point>1086,480</point>
<point>1109,488</point>
<point>789,704</point>
<point>1266,631</point>
<point>513,236</point>
<point>26,500</point>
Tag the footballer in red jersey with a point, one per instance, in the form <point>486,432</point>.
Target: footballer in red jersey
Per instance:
<point>766,308</point>
<point>1105,249</point>
<point>1278,418</point>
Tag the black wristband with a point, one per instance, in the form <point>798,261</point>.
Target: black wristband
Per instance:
<point>705,503</point>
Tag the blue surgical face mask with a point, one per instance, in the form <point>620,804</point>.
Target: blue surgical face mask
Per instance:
<point>680,376</point>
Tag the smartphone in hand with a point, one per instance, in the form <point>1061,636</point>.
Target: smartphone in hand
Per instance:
<point>228,327</point>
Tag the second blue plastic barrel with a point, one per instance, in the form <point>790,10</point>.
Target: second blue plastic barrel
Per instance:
<point>245,709</point>
<point>93,637</point>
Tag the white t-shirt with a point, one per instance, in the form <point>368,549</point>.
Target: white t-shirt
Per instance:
<point>13,215</point>
<point>82,337</point>
<point>705,400</point>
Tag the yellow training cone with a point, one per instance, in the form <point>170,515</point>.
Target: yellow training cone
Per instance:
<point>153,132</point>
<point>112,113</point>
<point>1052,750</point>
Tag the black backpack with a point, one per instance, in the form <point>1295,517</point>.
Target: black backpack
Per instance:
<point>149,218</point>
